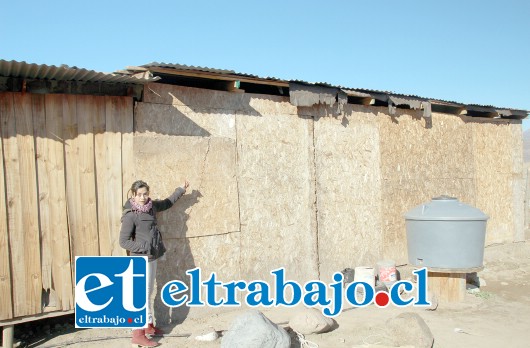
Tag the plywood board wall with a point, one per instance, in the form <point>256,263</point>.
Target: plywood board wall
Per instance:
<point>347,163</point>
<point>277,195</point>
<point>421,159</point>
<point>498,172</point>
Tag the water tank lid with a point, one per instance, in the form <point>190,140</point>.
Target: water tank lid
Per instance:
<point>445,208</point>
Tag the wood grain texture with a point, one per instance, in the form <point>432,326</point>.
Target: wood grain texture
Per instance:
<point>55,166</point>
<point>6,301</point>
<point>27,225</point>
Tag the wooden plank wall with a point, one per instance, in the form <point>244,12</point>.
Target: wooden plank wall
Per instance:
<point>6,302</point>
<point>61,276</point>
<point>61,189</point>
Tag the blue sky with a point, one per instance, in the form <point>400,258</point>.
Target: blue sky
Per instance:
<point>466,51</point>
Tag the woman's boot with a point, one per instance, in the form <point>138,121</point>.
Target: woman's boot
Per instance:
<point>153,330</point>
<point>139,339</point>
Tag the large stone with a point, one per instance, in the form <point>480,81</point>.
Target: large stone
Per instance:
<point>309,321</point>
<point>252,329</point>
<point>410,329</point>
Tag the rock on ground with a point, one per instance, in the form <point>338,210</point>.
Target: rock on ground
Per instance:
<point>309,321</point>
<point>410,329</point>
<point>253,329</point>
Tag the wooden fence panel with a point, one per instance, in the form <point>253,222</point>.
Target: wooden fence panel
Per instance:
<point>127,151</point>
<point>6,303</point>
<point>80,178</point>
<point>62,185</point>
<point>41,151</point>
<point>114,107</point>
<point>102,176</point>
<point>28,246</point>
<point>86,109</point>
<point>55,166</point>
<point>14,205</point>
<point>73,185</point>
<point>127,136</point>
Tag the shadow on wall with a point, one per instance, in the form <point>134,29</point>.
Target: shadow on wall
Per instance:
<point>199,100</point>
<point>191,112</point>
<point>174,264</point>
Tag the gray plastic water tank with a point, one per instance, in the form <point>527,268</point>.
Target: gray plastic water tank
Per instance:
<point>446,234</point>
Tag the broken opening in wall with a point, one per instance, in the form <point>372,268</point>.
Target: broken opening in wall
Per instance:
<point>264,89</point>
<point>403,106</point>
<point>49,298</point>
<point>359,100</point>
<point>373,102</point>
<point>474,113</point>
<point>447,109</point>
<point>378,102</point>
<point>45,297</point>
<point>188,81</point>
<point>223,85</point>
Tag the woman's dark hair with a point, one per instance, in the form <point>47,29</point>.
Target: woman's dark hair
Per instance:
<point>138,185</point>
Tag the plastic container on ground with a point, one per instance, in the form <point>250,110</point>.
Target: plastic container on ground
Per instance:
<point>446,234</point>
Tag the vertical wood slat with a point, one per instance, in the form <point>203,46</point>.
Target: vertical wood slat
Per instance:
<point>127,151</point>
<point>14,206</point>
<point>28,227</point>
<point>110,160</point>
<point>102,177</point>
<point>127,129</point>
<point>80,183</point>
<point>116,109</point>
<point>86,108</point>
<point>71,152</point>
<point>41,151</point>
<point>55,166</point>
<point>6,304</point>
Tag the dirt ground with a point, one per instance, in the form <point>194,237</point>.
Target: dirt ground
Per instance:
<point>497,316</point>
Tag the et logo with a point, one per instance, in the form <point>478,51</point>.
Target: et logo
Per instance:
<point>110,291</point>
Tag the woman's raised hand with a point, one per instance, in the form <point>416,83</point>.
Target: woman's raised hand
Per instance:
<point>186,185</point>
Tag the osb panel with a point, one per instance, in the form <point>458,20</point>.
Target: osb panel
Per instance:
<point>413,150</point>
<point>184,121</point>
<point>494,197</point>
<point>519,184</point>
<point>526,172</point>
<point>271,105</point>
<point>348,191</point>
<point>276,192</point>
<point>496,171</point>
<point>219,254</point>
<point>400,198</point>
<point>211,99</point>
<point>210,205</point>
<point>421,159</point>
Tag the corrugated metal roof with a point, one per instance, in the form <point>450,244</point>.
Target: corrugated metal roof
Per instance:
<point>205,69</point>
<point>65,73</point>
<point>325,84</point>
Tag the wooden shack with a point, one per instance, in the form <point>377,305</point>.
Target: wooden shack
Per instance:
<point>313,178</point>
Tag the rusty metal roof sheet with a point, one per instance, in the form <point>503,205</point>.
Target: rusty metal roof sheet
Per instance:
<point>65,73</point>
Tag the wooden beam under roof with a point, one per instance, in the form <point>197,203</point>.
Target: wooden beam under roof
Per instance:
<point>214,76</point>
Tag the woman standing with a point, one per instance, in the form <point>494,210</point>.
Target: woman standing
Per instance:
<point>140,236</point>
